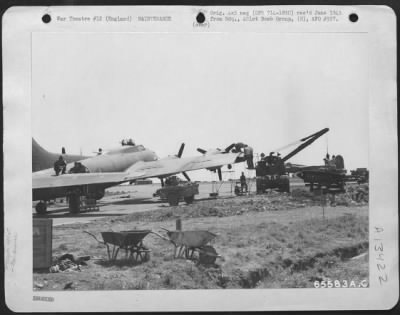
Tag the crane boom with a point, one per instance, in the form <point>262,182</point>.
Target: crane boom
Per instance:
<point>308,140</point>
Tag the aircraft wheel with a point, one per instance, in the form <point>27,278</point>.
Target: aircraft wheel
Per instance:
<point>74,203</point>
<point>41,207</point>
<point>99,194</point>
<point>285,188</point>
<point>189,199</point>
<point>208,255</point>
<point>260,189</point>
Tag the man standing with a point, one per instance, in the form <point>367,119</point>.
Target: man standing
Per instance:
<point>248,154</point>
<point>243,183</point>
<point>60,166</point>
<point>332,162</point>
<point>78,168</point>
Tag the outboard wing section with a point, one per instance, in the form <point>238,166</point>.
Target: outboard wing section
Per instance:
<point>166,167</point>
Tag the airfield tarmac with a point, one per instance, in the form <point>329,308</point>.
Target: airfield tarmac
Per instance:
<point>274,240</point>
<point>127,199</point>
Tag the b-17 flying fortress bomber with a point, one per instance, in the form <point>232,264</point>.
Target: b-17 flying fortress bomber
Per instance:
<point>113,167</point>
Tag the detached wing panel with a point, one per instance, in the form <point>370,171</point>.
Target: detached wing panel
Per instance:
<point>170,166</point>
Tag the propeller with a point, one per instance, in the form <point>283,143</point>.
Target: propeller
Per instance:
<point>179,155</point>
<point>180,150</point>
<point>202,151</point>
<point>219,174</point>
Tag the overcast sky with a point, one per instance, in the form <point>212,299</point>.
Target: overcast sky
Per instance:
<point>207,90</point>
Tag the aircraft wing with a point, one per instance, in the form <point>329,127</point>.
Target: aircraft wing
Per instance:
<point>163,167</point>
<point>51,181</point>
<point>170,166</point>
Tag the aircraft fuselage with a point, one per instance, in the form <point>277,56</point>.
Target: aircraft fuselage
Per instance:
<point>117,160</point>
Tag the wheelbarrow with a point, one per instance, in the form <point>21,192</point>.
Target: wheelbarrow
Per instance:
<point>188,242</point>
<point>130,241</point>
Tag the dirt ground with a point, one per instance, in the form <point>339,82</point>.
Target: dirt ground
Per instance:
<point>265,241</point>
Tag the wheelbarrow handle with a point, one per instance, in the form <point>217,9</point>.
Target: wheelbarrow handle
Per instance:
<point>94,237</point>
<point>163,237</point>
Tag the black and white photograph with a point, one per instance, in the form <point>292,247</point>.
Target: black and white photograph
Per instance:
<point>228,151</point>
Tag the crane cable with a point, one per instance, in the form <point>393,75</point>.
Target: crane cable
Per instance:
<point>327,146</point>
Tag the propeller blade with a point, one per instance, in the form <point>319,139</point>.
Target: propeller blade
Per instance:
<point>202,151</point>
<point>229,148</point>
<point>219,174</point>
<point>180,150</point>
<point>186,176</point>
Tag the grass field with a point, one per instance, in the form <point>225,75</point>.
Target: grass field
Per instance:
<point>266,241</point>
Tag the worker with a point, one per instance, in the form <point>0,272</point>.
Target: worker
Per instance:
<point>248,154</point>
<point>269,158</point>
<point>332,162</point>
<point>130,142</point>
<point>243,183</point>
<point>60,166</point>
<point>75,168</point>
<point>238,147</point>
<point>79,168</point>
<point>100,151</point>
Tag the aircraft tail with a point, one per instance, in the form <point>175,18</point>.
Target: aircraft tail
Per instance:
<point>42,159</point>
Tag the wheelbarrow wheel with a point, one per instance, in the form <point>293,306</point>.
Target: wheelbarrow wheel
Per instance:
<point>208,255</point>
<point>145,255</point>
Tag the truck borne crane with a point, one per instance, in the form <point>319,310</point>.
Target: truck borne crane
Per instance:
<point>271,172</point>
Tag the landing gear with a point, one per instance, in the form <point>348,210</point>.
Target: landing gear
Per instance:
<point>74,201</point>
<point>41,207</point>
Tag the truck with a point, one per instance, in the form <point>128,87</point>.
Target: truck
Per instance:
<point>271,172</point>
<point>360,175</point>
<point>176,190</point>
